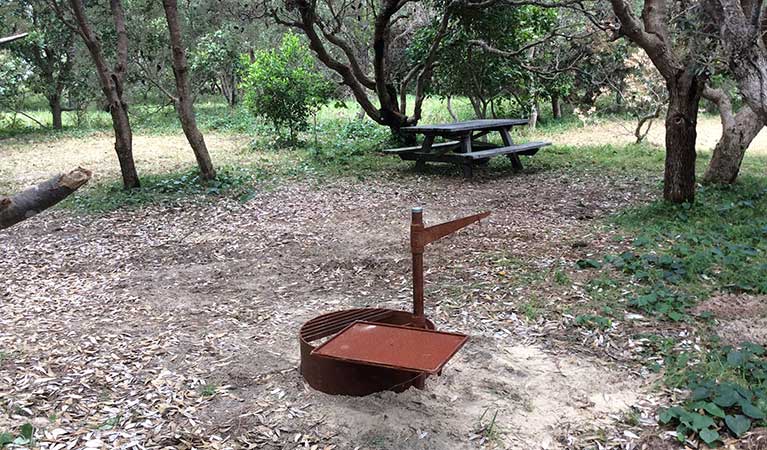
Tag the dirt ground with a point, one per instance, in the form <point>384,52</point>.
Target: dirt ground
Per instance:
<point>175,326</point>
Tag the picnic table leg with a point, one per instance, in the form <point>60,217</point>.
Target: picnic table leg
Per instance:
<point>515,161</point>
<point>428,140</point>
<point>468,169</point>
<point>468,165</point>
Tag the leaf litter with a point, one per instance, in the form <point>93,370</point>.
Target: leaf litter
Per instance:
<point>174,326</point>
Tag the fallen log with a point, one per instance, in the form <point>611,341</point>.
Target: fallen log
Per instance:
<point>32,201</point>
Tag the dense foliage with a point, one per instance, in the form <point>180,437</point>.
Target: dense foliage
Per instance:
<point>489,79</point>
<point>283,85</point>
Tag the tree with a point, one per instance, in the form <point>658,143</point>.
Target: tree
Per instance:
<point>216,59</point>
<point>685,79</point>
<point>183,100</point>
<point>488,77</point>
<point>13,89</point>
<point>738,130</point>
<point>49,50</point>
<point>283,85</point>
<point>112,80</point>
<point>327,26</point>
<point>740,28</point>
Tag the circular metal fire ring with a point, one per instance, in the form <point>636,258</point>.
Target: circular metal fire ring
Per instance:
<point>344,378</point>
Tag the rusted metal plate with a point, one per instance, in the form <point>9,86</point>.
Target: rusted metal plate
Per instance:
<point>392,346</point>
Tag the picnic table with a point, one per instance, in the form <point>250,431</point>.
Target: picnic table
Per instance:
<point>462,147</point>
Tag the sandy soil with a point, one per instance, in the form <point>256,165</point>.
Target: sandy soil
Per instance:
<point>741,317</point>
<point>622,132</point>
<point>175,326</point>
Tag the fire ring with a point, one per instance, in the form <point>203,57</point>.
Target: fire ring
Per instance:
<point>366,350</point>
<point>343,378</point>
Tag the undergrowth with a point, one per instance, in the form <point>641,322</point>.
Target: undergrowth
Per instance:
<point>681,255</point>
<point>167,187</point>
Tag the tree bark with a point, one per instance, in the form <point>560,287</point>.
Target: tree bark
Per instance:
<point>112,83</point>
<point>738,131</point>
<point>681,121</point>
<point>55,104</point>
<point>683,82</point>
<point>32,201</point>
<point>556,107</point>
<point>183,100</point>
<point>450,108</point>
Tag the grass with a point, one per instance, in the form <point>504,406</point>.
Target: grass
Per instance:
<point>166,188</point>
<point>208,390</point>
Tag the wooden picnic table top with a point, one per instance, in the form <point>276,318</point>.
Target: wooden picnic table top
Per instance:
<point>468,125</point>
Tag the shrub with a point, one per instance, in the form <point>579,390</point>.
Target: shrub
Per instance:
<point>283,86</point>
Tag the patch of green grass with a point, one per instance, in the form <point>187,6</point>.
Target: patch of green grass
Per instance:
<point>168,187</point>
<point>717,243</point>
<point>487,426</point>
<point>683,253</point>
<point>208,390</point>
<point>532,308</point>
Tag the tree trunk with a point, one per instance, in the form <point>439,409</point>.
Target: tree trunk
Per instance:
<point>681,120</point>
<point>737,133</point>
<point>532,121</point>
<point>556,107</point>
<point>30,202</point>
<point>450,108</point>
<point>729,151</point>
<point>55,104</point>
<point>183,101</point>
<point>112,84</point>
<point>124,145</point>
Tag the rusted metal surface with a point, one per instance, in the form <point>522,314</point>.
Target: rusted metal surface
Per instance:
<point>342,378</point>
<point>376,349</point>
<point>420,237</point>
<point>393,347</point>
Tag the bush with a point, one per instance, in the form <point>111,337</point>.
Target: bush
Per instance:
<point>283,85</point>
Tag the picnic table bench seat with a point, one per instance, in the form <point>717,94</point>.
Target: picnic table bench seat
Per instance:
<point>528,149</point>
<point>415,148</point>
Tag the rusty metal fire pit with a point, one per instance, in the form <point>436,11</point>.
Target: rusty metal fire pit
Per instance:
<point>366,350</point>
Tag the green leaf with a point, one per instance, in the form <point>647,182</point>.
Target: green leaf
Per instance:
<point>727,397</point>
<point>20,440</point>
<point>738,424</point>
<point>709,436</point>
<point>735,358</point>
<point>751,410</point>
<point>701,422</point>
<point>666,415</point>
<point>588,264</point>
<point>27,430</point>
<point>699,393</point>
<point>675,316</point>
<point>5,439</point>
<point>714,410</point>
